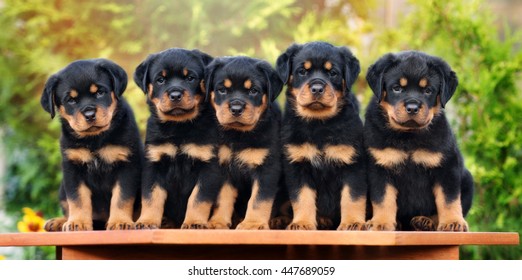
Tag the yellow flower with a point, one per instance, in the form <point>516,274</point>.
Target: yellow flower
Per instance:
<point>31,221</point>
<point>2,257</point>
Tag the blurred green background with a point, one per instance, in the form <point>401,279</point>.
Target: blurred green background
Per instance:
<point>478,38</point>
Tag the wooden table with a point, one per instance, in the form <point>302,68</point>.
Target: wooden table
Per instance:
<point>258,245</point>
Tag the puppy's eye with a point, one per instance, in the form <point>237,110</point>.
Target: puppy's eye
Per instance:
<point>397,89</point>
<point>332,73</point>
<point>71,101</point>
<point>190,78</point>
<point>427,91</point>
<point>253,92</point>
<point>100,93</point>
<point>160,80</point>
<point>302,72</point>
<point>222,90</point>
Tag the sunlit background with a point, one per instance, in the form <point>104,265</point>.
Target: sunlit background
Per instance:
<point>478,38</point>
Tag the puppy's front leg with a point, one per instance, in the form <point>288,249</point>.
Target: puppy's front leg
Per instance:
<point>259,208</point>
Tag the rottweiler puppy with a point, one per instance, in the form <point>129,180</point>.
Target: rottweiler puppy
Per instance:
<point>181,172</point>
<point>100,145</point>
<point>416,173</point>
<point>242,91</point>
<point>322,137</point>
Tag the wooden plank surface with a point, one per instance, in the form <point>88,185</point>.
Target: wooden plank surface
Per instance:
<point>269,237</point>
<point>258,252</point>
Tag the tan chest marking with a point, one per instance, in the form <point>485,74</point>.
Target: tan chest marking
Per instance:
<point>427,158</point>
<point>303,152</point>
<point>200,152</point>
<point>80,155</point>
<point>155,152</point>
<point>340,153</point>
<point>224,155</point>
<point>344,154</point>
<point>388,157</point>
<point>114,153</point>
<point>252,157</point>
<point>110,154</point>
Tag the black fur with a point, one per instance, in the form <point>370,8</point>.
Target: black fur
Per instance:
<point>176,74</point>
<point>87,89</point>
<point>333,69</point>
<point>252,85</point>
<point>414,181</point>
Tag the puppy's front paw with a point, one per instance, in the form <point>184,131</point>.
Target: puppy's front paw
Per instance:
<point>378,225</point>
<point>352,226</point>
<point>422,223</point>
<point>194,225</point>
<point>145,224</point>
<point>302,225</point>
<point>455,225</point>
<point>252,225</point>
<point>218,224</point>
<point>77,225</point>
<point>120,225</point>
<point>55,224</point>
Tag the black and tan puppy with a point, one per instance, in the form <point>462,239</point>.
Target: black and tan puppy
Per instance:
<point>100,144</point>
<point>416,172</point>
<point>181,173</point>
<point>242,91</point>
<point>322,138</point>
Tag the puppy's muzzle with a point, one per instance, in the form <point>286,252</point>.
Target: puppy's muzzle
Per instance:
<point>413,106</point>
<point>175,94</point>
<point>89,112</point>
<point>317,87</point>
<point>237,107</point>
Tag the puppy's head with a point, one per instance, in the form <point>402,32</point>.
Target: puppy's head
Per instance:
<point>411,87</point>
<point>319,77</point>
<point>172,80</point>
<point>240,90</point>
<point>86,93</point>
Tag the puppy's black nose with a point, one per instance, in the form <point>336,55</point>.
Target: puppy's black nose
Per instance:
<point>237,107</point>
<point>89,113</point>
<point>317,87</point>
<point>175,95</point>
<point>412,107</point>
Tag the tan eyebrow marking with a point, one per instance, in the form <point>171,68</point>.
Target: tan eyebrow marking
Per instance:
<point>227,83</point>
<point>93,88</point>
<point>328,65</point>
<point>248,84</point>
<point>403,81</point>
<point>308,64</point>
<point>423,82</point>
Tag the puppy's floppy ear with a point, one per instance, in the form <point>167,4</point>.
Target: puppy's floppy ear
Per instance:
<point>352,67</point>
<point>210,71</point>
<point>275,84</point>
<point>206,58</point>
<point>449,80</point>
<point>141,74</point>
<point>116,73</point>
<point>284,62</point>
<point>376,72</point>
<point>47,99</point>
